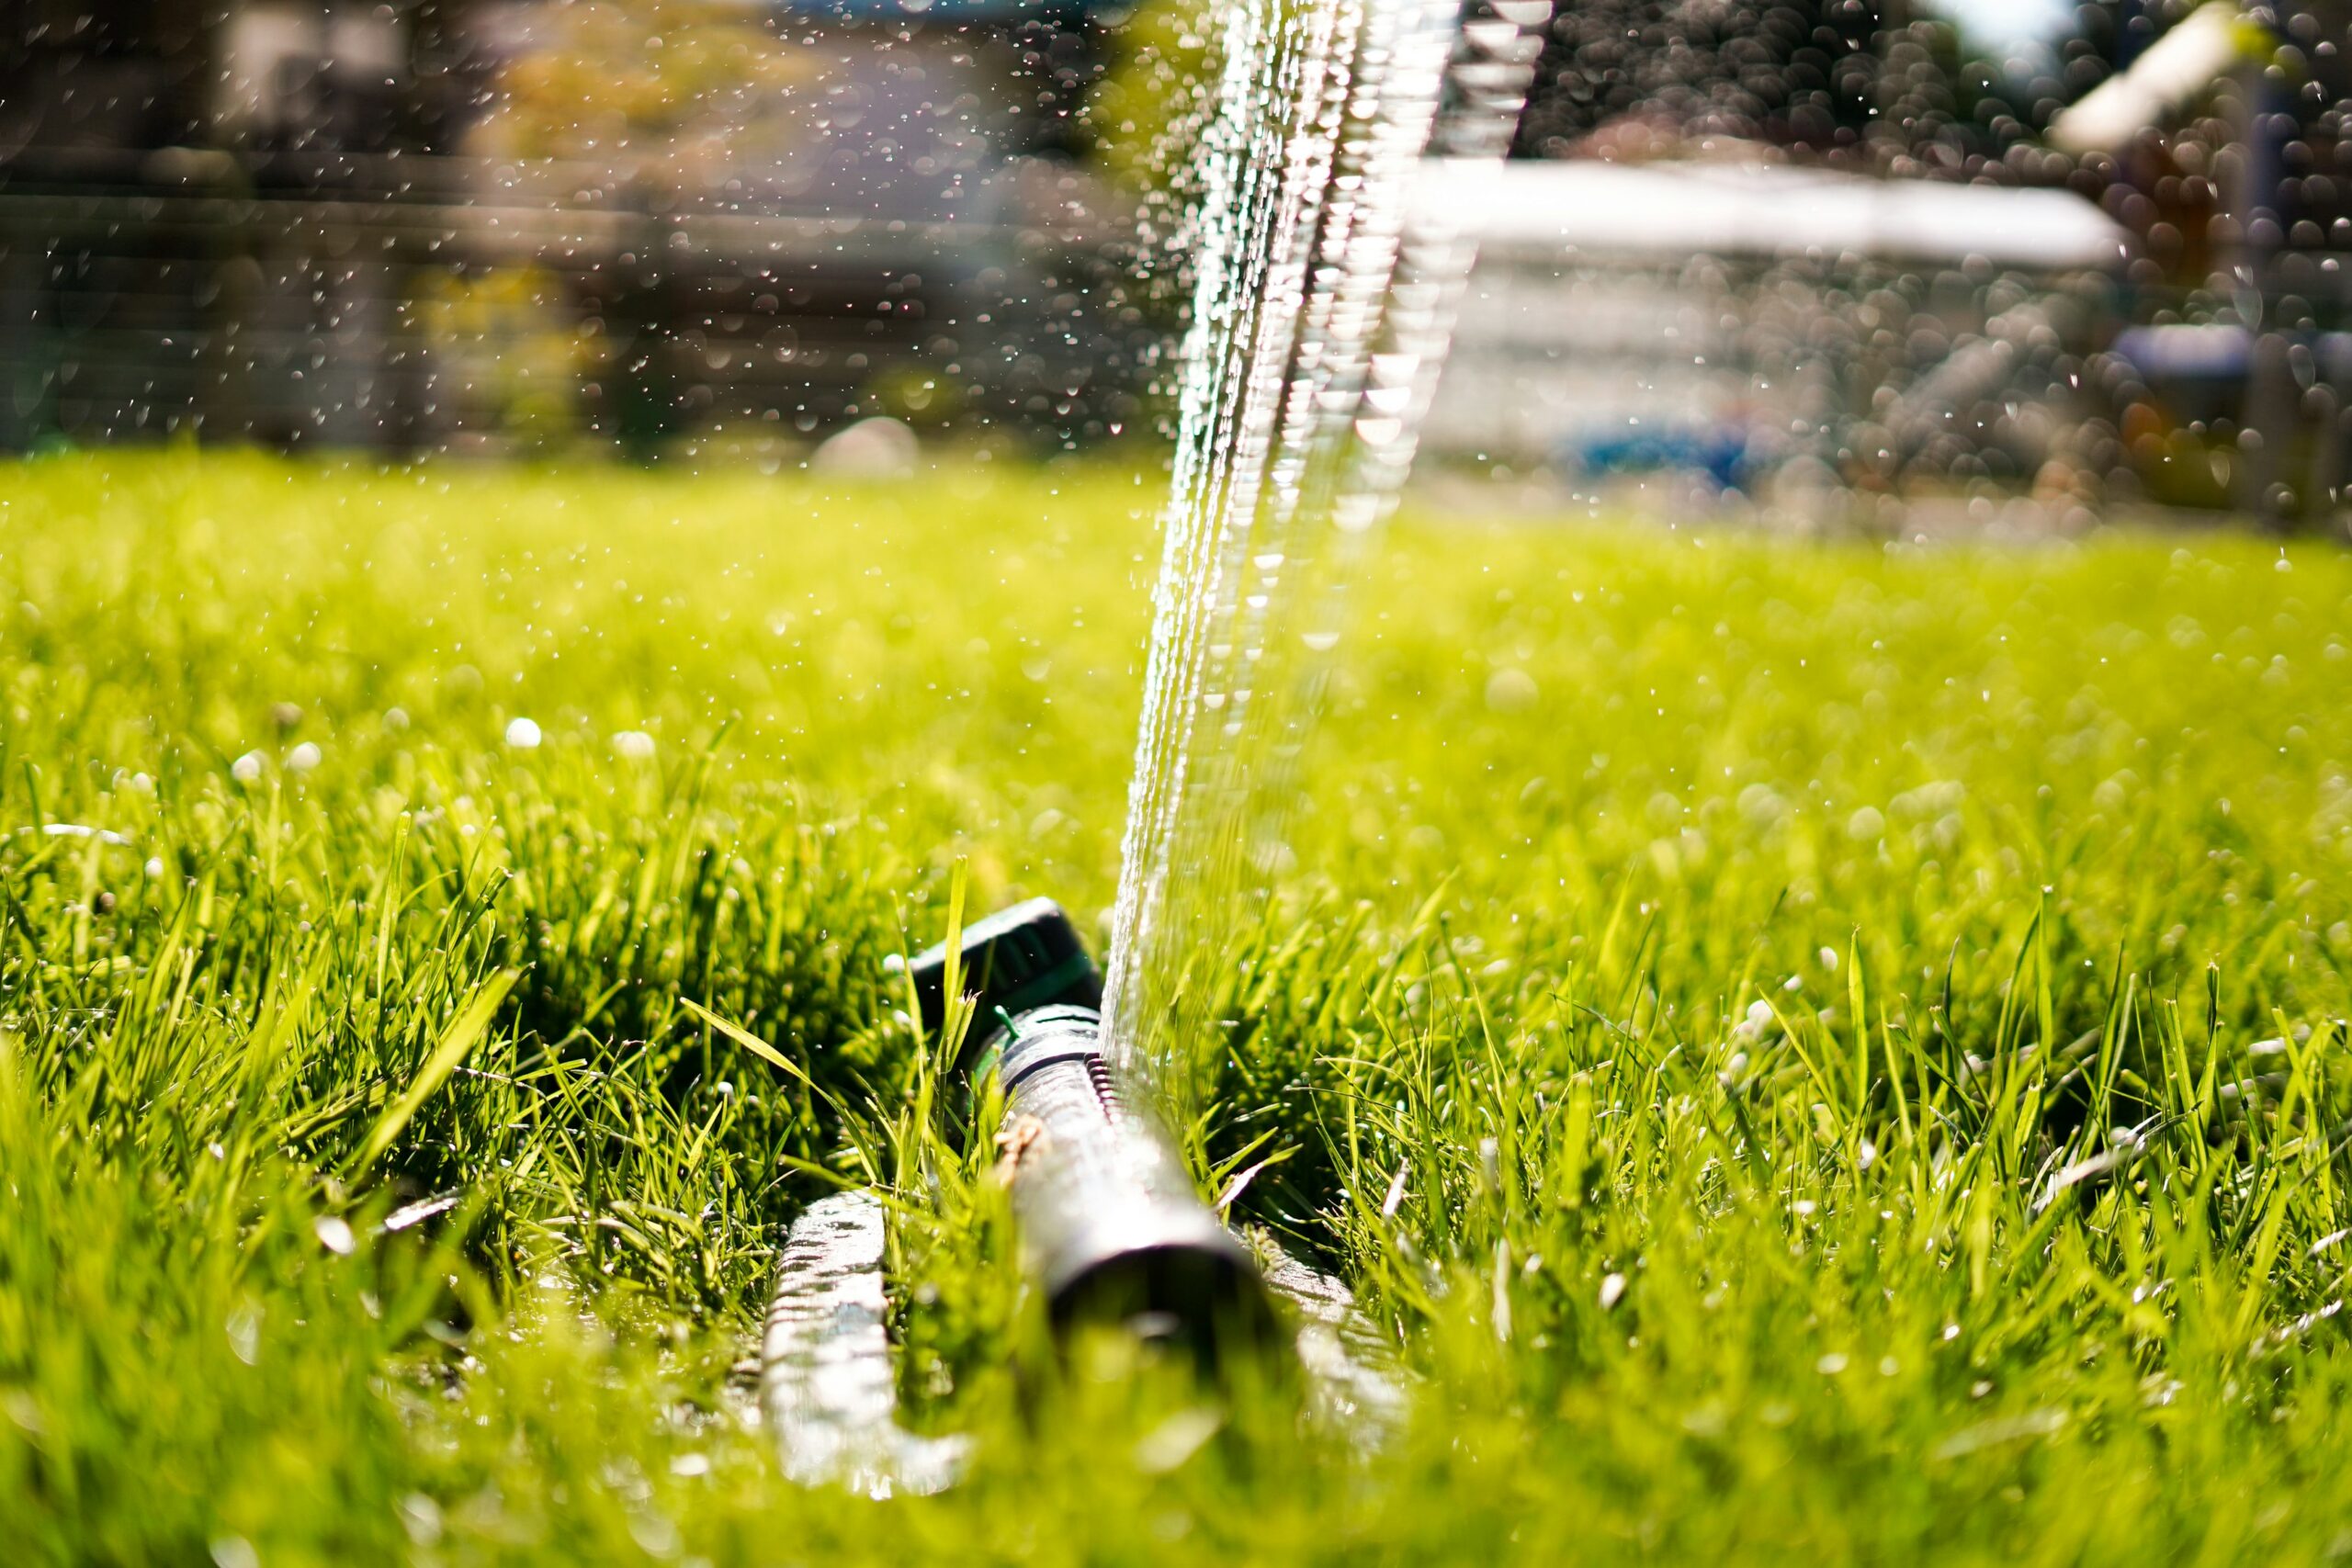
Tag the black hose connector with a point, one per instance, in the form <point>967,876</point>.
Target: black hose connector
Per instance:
<point>1015,961</point>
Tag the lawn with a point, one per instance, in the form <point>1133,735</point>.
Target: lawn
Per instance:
<point>1810,1049</point>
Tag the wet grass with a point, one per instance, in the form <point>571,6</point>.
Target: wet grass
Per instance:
<point>1809,1048</point>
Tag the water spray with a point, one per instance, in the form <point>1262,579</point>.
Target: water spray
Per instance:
<point>1321,310</point>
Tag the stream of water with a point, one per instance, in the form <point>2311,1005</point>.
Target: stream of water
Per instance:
<point>1322,300</point>
<point>1321,304</point>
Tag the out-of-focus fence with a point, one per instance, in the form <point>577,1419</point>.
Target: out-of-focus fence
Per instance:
<point>518,223</point>
<point>412,304</point>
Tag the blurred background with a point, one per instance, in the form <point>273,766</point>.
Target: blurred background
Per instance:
<point>2012,264</point>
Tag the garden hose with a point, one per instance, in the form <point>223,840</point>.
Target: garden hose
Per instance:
<point>1112,1228</point>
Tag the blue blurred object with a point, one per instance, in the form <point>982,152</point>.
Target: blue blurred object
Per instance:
<point>1719,451</point>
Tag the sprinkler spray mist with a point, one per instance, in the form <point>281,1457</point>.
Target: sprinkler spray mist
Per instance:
<point>1322,302</point>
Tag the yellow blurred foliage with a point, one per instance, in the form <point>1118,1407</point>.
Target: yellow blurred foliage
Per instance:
<point>648,78</point>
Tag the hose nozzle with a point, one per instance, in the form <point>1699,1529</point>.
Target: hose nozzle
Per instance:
<point>1111,1226</point>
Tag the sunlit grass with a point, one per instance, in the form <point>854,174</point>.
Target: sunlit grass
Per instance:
<point>1809,1047</point>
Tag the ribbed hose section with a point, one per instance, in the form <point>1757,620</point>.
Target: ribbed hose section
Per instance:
<point>1110,1222</point>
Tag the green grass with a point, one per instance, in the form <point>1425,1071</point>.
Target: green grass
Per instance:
<point>1735,955</point>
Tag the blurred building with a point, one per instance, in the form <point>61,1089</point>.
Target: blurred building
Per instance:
<point>456,221</point>
<point>1758,327</point>
<point>1705,310</point>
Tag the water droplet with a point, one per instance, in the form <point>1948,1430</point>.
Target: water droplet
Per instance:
<point>1510,690</point>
